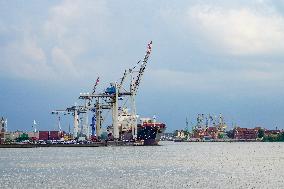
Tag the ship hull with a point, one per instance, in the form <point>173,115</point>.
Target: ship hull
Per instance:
<point>150,135</point>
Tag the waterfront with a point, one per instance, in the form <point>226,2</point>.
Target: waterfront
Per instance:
<point>171,165</point>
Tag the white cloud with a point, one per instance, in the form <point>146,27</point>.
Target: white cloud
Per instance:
<point>24,59</point>
<point>239,31</point>
<point>54,49</point>
<point>76,22</point>
<point>74,27</point>
<point>240,49</point>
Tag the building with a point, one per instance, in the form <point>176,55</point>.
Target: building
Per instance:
<point>14,135</point>
<point>199,133</point>
<point>245,133</point>
<point>271,132</point>
<point>181,134</point>
<point>212,131</point>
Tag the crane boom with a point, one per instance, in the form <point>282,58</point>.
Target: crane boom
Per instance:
<point>142,69</point>
<point>96,84</point>
<point>126,73</point>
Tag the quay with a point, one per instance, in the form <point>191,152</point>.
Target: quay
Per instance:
<point>95,144</point>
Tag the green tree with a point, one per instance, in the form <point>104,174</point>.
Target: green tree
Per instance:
<point>230,134</point>
<point>175,133</point>
<point>220,135</point>
<point>281,137</point>
<point>260,133</point>
<point>8,141</point>
<point>22,137</point>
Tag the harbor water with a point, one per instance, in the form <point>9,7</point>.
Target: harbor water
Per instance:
<point>171,165</point>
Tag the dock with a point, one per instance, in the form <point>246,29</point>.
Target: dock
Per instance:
<point>95,144</point>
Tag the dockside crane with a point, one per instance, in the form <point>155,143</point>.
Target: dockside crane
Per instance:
<point>88,107</point>
<point>122,91</point>
<point>102,102</point>
<point>76,110</point>
<point>134,84</point>
<point>109,98</point>
<point>134,87</point>
<point>58,114</point>
<point>142,69</point>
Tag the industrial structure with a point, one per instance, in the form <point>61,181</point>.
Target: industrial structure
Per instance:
<point>126,126</point>
<point>118,97</point>
<point>207,127</point>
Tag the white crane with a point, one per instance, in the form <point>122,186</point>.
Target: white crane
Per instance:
<point>116,91</point>
<point>134,84</point>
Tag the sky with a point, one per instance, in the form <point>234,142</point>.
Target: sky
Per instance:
<point>208,57</point>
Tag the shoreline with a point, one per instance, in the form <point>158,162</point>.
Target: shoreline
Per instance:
<point>96,144</point>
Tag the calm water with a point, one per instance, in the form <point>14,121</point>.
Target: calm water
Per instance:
<point>172,165</point>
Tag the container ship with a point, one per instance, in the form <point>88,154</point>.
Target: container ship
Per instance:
<point>149,131</point>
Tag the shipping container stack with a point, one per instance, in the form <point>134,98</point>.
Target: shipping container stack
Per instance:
<point>43,135</point>
<point>54,135</point>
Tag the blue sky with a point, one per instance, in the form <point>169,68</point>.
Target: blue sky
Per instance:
<point>208,57</point>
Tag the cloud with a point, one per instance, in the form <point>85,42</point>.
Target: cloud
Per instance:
<point>32,51</point>
<point>62,63</point>
<point>56,47</point>
<point>234,82</point>
<point>238,31</point>
<point>25,59</point>
<point>225,48</point>
<point>75,39</point>
<point>75,24</point>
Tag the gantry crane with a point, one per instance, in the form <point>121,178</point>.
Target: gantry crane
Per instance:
<point>75,111</point>
<point>109,98</point>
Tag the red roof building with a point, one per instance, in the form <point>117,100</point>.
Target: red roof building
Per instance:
<point>245,133</point>
<point>271,132</point>
<point>213,132</point>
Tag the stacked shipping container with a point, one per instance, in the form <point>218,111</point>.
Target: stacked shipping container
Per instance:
<point>43,135</point>
<point>54,135</point>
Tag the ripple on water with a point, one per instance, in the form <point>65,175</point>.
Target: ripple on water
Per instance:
<point>172,165</point>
